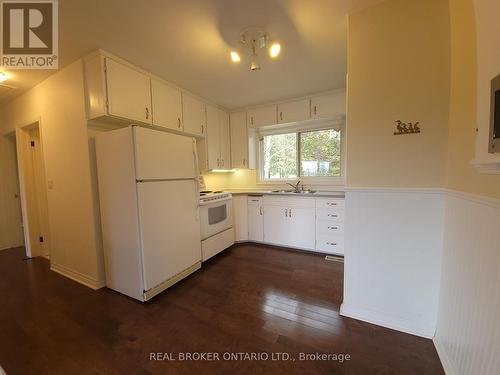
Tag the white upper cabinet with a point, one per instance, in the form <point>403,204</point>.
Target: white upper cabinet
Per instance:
<point>193,114</point>
<point>167,105</point>
<point>239,140</point>
<point>212,139</point>
<point>261,116</point>
<point>129,92</point>
<point>298,110</point>
<point>331,105</point>
<point>214,152</point>
<point>225,140</point>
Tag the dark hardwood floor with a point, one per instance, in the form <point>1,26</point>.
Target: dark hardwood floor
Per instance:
<point>248,299</point>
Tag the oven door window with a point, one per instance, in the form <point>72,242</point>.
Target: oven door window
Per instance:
<point>217,214</point>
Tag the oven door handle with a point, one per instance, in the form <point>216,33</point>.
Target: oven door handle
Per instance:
<point>215,202</point>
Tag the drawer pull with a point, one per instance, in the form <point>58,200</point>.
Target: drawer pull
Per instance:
<point>331,204</point>
<point>332,215</point>
<point>332,243</point>
<point>333,227</point>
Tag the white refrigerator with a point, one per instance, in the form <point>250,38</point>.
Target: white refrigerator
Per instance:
<point>148,192</point>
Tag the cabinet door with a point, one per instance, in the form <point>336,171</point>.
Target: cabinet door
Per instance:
<point>129,92</point>
<point>298,110</point>
<point>275,224</point>
<point>331,105</point>
<point>255,223</point>
<point>193,114</point>
<point>240,217</point>
<point>261,116</point>
<point>239,140</point>
<point>225,142</point>
<point>167,105</point>
<point>301,229</point>
<point>212,139</point>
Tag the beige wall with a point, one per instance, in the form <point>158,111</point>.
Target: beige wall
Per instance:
<point>398,66</point>
<point>11,234</point>
<point>59,104</point>
<point>463,108</point>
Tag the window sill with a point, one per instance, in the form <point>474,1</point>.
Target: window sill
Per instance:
<point>307,181</point>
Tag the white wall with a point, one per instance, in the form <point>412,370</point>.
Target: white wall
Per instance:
<point>58,103</point>
<point>468,331</point>
<point>393,242</point>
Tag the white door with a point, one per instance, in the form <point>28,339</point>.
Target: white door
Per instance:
<point>170,229</point>
<point>330,105</point>
<point>239,140</point>
<point>225,142</point>
<point>129,92</point>
<point>160,155</point>
<point>275,224</point>
<point>193,114</point>
<point>301,228</point>
<point>255,223</point>
<point>261,116</point>
<point>213,138</point>
<point>298,110</point>
<point>167,105</point>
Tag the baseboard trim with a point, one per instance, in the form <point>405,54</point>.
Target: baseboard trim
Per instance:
<point>384,321</point>
<point>449,368</point>
<point>77,276</point>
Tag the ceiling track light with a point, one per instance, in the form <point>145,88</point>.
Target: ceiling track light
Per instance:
<point>252,41</point>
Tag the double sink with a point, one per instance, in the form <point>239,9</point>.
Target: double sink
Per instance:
<point>291,192</point>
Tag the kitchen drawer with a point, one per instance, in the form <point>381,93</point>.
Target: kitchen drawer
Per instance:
<point>289,202</point>
<point>254,200</point>
<point>330,244</point>
<point>329,227</point>
<point>331,214</point>
<point>328,203</point>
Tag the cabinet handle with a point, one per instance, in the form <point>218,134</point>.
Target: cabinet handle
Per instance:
<point>202,129</point>
<point>147,113</point>
<point>333,227</point>
<point>218,162</point>
<point>251,120</point>
<point>244,162</point>
<point>290,212</point>
<point>281,115</point>
<point>315,110</point>
<point>331,215</point>
<point>179,122</point>
<point>331,204</point>
<point>286,212</point>
<point>260,210</point>
<point>332,243</point>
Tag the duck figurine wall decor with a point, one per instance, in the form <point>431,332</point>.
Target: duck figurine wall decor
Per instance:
<point>406,128</point>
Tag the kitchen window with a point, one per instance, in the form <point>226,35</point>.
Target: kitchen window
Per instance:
<point>308,154</point>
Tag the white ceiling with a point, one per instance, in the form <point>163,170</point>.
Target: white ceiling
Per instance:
<point>188,41</point>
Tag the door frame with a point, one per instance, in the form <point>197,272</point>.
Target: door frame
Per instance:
<point>26,190</point>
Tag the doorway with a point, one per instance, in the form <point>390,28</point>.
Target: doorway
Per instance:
<point>33,190</point>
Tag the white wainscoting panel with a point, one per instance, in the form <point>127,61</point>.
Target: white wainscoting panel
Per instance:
<point>468,329</point>
<point>393,249</point>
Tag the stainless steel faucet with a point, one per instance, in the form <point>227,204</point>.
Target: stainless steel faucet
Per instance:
<point>296,187</point>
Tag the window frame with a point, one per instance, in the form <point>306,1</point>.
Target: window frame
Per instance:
<point>306,180</point>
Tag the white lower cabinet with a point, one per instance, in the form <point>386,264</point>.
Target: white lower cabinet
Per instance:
<point>330,225</point>
<point>289,221</point>
<point>255,219</point>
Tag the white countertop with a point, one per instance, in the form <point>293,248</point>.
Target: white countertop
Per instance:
<point>338,194</point>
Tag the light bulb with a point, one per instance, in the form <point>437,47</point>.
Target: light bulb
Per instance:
<point>235,57</point>
<point>3,76</point>
<point>274,50</point>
